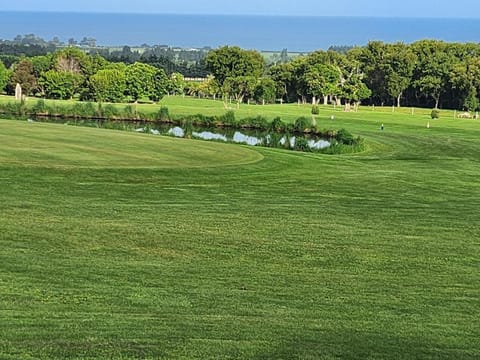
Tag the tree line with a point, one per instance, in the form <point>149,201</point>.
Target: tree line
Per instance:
<point>427,73</point>
<point>189,62</point>
<point>71,73</point>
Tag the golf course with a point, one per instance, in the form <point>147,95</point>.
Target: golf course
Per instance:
<point>122,245</point>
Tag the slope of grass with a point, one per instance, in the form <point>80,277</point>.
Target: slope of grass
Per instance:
<point>41,145</point>
<point>120,245</point>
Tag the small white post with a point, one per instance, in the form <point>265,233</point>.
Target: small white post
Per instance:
<point>18,92</point>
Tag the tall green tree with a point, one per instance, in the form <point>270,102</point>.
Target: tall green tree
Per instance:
<point>210,87</point>
<point>400,63</point>
<point>61,84</point>
<point>300,66</point>
<point>464,79</point>
<point>176,84</point>
<point>353,87</point>
<point>75,61</point>
<point>373,60</point>
<point>238,87</point>
<point>432,68</point>
<point>230,62</point>
<point>282,75</point>
<point>265,90</point>
<point>354,90</point>
<point>431,85</point>
<point>41,64</point>
<point>140,81</point>
<point>72,59</point>
<point>3,76</point>
<point>109,85</point>
<point>323,80</point>
<point>23,74</point>
<point>161,83</point>
<point>471,103</point>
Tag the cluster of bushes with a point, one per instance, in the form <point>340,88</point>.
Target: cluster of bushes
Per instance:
<point>82,110</point>
<point>302,125</point>
<point>344,142</point>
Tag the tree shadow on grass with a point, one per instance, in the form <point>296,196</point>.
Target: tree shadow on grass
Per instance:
<point>360,345</point>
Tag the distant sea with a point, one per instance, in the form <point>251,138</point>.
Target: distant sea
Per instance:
<point>297,34</point>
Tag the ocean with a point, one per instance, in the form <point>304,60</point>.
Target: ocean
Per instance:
<point>297,34</point>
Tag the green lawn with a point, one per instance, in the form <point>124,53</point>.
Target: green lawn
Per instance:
<point>117,245</point>
<point>179,106</point>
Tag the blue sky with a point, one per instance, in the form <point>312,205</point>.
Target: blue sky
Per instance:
<point>404,8</point>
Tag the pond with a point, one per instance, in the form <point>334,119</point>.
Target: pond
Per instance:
<point>248,137</point>
<point>221,134</point>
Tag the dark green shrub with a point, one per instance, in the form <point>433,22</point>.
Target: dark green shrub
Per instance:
<point>14,108</point>
<point>330,133</point>
<point>40,108</point>
<point>315,110</point>
<point>337,148</point>
<point>145,116</point>
<point>89,109</point>
<point>302,124</point>
<point>187,126</point>
<point>435,114</point>
<point>200,119</point>
<point>260,122</point>
<point>245,122</point>
<point>345,137</point>
<point>471,101</point>
<point>286,144</point>
<point>163,114</point>
<point>64,111</point>
<point>149,116</point>
<point>206,120</point>
<point>301,144</point>
<point>84,110</point>
<point>228,118</point>
<point>273,140</point>
<point>277,124</point>
<point>109,111</point>
<point>130,112</point>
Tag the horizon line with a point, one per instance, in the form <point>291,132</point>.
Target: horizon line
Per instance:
<point>238,15</point>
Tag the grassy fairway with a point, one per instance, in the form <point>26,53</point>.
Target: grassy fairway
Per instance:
<point>121,245</point>
<point>180,106</point>
<point>37,145</point>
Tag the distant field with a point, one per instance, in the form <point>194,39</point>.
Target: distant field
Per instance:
<point>117,245</point>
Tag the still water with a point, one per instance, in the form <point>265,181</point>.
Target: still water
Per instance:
<point>221,134</point>
<point>248,137</point>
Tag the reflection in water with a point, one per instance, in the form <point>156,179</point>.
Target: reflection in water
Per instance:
<point>176,131</point>
<point>318,145</point>
<point>208,135</point>
<point>243,137</point>
<point>240,138</point>
<point>291,141</point>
